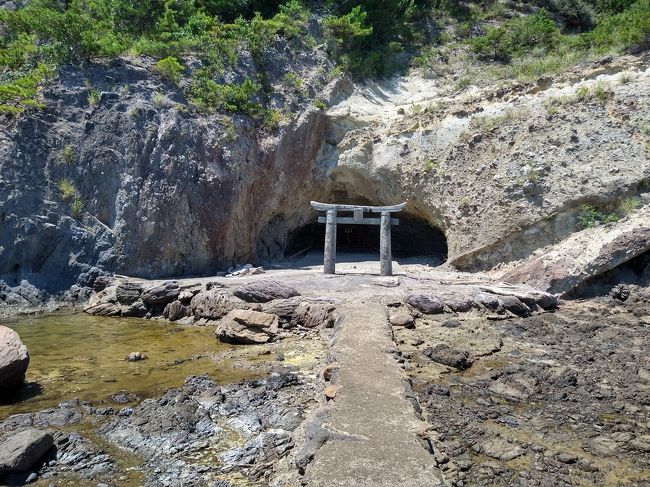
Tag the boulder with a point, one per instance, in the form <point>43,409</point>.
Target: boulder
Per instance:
<point>283,308</point>
<point>176,310</point>
<point>135,310</point>
<point>107,295</point>
<point>128,292</point>
<point>514,305</point>
<point>14,359</point>
<point>102,282</point>
<point>22,450</point>
<point>265,290</point>
<point>161,293</point>
<point>487,300</point>
<point>446,355</point>
<point>314,315</point>
<point>213,304</point>
<point>460,305</point>
<point>428,304</point>
<point>244,326</point>
<point>401,317</point>
<point>103,309</point>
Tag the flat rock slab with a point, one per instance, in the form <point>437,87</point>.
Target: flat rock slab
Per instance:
<point>264,290</point>
<point>374,441</point>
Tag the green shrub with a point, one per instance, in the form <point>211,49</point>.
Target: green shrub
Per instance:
<point>170,69</point>
<point>576,13</point>
<point>66,189</point>
<point>67,154</point>
<point>320,104</point>
<point>93,97</point>
<point>272,119</point>
<point>77,208</point>
<point>628,205</point>
<point>590,217</point>
<point>208,95</point>
<point>517,36</point>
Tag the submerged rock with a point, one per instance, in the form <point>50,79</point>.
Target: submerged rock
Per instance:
<point>265,290</point>
<point>247,327</point>
<point>14,359</point>
<point>22,450</point>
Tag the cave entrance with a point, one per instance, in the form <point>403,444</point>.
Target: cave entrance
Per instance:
<point>414,240</point>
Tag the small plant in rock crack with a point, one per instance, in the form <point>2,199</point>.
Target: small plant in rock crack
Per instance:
<point>600,92</point>
<point>590,217</point>
<point>429,164</point>
<point>77,208</point>
<point>293,80</point>
<point>628,205</point>
<point>67,189</point>
<point>67,154</point>
<point>93,98</point>
<point>159,100</point>
<point>625,78</point>
<point>320,104</point>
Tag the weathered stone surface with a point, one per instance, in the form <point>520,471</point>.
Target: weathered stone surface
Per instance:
<point>283,308</point>
<point>101,283</point>
<point>14,359</point>
<point>500,449</point>
<point>107,295</point>
<point>128,292</point>
<point>314,315</point>
<point>489,301</point>
<point>446,355</point>
<point>459,305</point>
<point>213,304</point>
<point>514,305</point>
<point>585,254</point>
<point>426,303</point>
<point>265,290</point>
<point>247,327</point>
<point>176,310</point>
<point>22,450</point>
<point>104,309</point>
<point>135,310</point>
<point>161,293</point>
<point>400,316</point>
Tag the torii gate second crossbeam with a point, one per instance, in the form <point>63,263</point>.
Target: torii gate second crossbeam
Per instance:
<point>385,221</point>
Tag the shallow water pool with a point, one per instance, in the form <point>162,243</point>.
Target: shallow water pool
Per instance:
<point>83,356</point>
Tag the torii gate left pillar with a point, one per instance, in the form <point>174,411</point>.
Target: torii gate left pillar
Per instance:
<point>384,221</point>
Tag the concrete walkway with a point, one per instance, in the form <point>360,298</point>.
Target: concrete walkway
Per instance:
<point>382,448</point>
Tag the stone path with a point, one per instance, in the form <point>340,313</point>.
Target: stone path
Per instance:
<point>371,410</point>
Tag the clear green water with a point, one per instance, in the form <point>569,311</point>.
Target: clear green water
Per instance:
<point>83,356</point>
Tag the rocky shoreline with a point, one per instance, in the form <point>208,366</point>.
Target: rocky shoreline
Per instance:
<point>512,386</point>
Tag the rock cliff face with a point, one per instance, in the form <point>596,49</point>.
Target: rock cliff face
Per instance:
<point>167,192</point>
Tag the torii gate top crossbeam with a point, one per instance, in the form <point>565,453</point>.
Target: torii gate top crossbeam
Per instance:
<point>373,209</point>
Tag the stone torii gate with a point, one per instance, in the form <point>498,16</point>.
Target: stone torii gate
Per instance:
<point>330,221</point>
